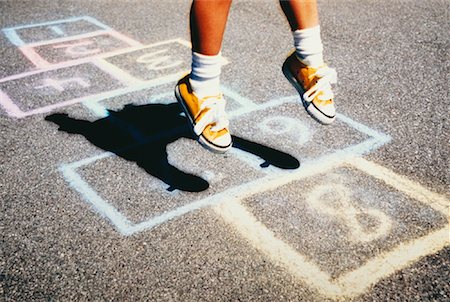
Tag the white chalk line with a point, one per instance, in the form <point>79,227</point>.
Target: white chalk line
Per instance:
<point>72,63</point>
<point>356,282</point>
<point>278,177</point>
<point>91,197</point>
<point>13,36</point>
<point>100,62</point>
<point>88,35</point>
<point>350,280</point>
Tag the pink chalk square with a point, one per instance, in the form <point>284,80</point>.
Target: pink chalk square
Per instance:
<point>154,61</point>
<point>47,32</point>
<point>77,49</point>
<point>43,91</point>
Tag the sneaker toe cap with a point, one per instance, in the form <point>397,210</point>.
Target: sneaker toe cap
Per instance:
<point>223,140</point>
<point>328,110</point>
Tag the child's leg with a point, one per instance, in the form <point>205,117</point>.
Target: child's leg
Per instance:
<point>208,20</point>
<point>199,92</point>
<point>305,68</point>
<point>303,18</point>
<point>301,14</point>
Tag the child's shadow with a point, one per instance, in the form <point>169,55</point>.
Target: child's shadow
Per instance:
<point>141,134</point>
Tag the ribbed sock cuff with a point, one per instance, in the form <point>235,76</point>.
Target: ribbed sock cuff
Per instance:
<point>308,46</point>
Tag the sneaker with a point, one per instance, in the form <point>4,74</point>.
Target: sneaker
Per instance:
<point>207,117</point>
<point>314,86</point>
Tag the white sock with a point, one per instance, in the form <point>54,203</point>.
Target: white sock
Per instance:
<point>308,46</point>
<point>205,74</point>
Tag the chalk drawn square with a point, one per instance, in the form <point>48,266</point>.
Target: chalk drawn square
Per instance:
<point>283,124</point>
<point>340,219</point>
<point>40,92</point>
<point>292,221</point>
<point>126,227</point>
<point>45,31</point>
<point>154,61</point>
<point>184,153</point>
<point>159,94</point>
<point>76,49</point>
<point>144,197</point>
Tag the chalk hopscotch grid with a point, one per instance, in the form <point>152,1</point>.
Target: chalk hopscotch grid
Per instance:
<point>28,48</point>
<point>13,36</point>
<point>359,280</point>
<point>131,83</point>
<point>351,284</point>
<point>32,55</point>
<point>126,227</point>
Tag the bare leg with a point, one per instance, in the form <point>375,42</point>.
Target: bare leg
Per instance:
<point>305,68</point>
<point>199,92</point>
<point>208,19</point>
<point>301,14</point>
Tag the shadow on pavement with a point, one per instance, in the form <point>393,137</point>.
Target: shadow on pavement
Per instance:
<point>141,134</point>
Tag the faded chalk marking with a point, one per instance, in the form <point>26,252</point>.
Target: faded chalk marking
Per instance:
<point>90,196</point>
<point>276,250</point>
<point>410,188</point>
<point>243,101</point>
<point>278,125</point>
<point>212,177</point>
<point>275,177</point>
<point>31,54</point>
<point>335,200</point>
<point>59,84</point>
<point>67,39</point>
<point>77,46</point>
<point>359,280</point>
<point>133,83</point>
<point>107,94</point>
<point>89,160</point>
<point>157,60</point>
<point>57,30</point>
<point>67,20</point>
<point>117,73</point>
<point>78,49</point>
<point>13,37</point>
<point>9,106</point>
<point>12,34</point>
<point>80,61</point>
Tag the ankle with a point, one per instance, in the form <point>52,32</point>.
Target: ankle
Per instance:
<point>308,46</point>
<point>205,74</point>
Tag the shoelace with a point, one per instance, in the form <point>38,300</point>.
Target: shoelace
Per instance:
<point>327,76</point>
<point>215,115</point>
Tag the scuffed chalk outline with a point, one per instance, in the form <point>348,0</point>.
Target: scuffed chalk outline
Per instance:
<point>13,37</point>
<point>99,61</point>
<point>30,52</point>
<point>123,224</point>
<point>357,281</point>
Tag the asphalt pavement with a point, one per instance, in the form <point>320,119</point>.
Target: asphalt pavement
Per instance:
<point>106,195</point>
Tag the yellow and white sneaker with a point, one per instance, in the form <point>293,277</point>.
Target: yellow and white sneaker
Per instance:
<point>207,117</point>
<point>314,86</point>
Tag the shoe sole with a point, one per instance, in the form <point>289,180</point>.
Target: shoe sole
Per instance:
<point>201,139</point>
<point>312,110</point>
